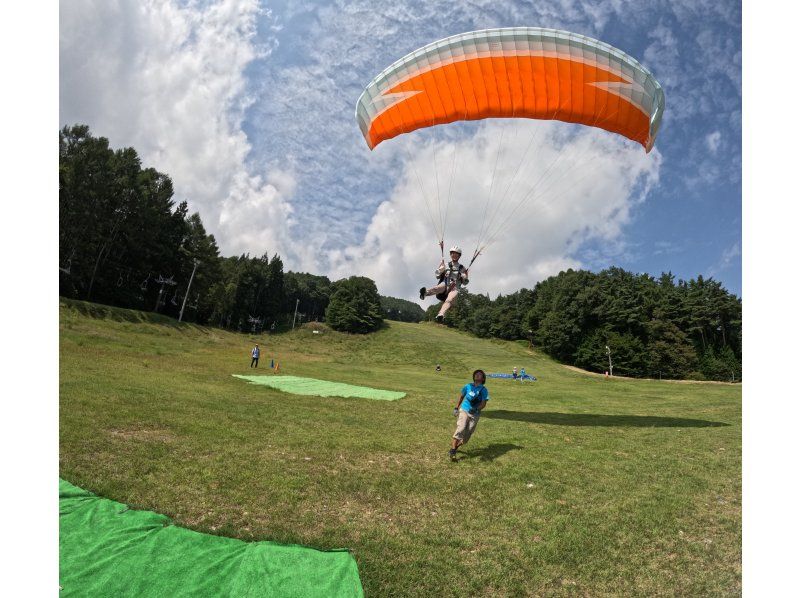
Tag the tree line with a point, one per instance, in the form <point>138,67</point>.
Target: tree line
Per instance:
<point>124,241</point>
<point>649,327</point>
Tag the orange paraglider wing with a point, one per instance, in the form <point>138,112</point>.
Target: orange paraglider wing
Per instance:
<point>517,72</point>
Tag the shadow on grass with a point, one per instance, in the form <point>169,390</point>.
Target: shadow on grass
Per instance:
<point>490,452</point>
<point>594,419</point>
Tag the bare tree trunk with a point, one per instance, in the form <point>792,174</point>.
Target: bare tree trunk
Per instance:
<point>107,248</point>
<point>94,272</point>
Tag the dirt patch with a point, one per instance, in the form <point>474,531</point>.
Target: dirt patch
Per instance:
<point>144,434</point>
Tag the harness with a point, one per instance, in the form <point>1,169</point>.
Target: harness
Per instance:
<point>450,275</point>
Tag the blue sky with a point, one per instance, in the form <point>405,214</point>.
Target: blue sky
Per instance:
<point>250,108</point>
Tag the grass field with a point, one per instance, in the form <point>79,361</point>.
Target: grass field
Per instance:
<point>572,485</point>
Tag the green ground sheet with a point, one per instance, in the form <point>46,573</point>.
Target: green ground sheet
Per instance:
<point>322,388</point>
<point>108,549</point>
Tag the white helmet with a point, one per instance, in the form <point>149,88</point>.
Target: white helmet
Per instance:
<point>456,248</point>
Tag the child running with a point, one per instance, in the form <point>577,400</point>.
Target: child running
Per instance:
<point>470,404</point>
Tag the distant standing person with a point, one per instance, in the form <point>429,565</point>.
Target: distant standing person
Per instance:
<point>470,404</point>
<point>255,354</point>
<point>514,372</point>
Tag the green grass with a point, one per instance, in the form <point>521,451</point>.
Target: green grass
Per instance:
<point>573,485</point>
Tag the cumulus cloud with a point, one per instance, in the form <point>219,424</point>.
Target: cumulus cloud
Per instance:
<point>168,78</point>
<point>328,54</point>
<point>571,188</point>
<point>250,112</point>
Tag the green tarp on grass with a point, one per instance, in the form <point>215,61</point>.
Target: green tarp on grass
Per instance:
<point>322,388</point>
<point>107,549</point>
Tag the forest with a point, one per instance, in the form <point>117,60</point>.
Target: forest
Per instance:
<point>647,327</point>
<point>124,241</point>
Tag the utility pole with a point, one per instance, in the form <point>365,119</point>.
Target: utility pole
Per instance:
<point>295,312</point>
<point>610,367</point>
<point>191,278</point>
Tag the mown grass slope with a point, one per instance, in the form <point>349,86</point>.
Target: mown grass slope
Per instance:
<point>572,485</point>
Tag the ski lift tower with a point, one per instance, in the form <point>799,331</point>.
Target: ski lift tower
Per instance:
<point>254,323</point>
<point>191,278</point>
<point>163,281</point>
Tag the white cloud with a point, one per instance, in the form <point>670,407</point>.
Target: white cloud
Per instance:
<point>169,79</point>
<point>726,259</point>
<point>579,188</point>
<point>186,83</point>
<point>328,54</point>
<point>668,248</point>
<point>663,58</point>
<point>713,140</point>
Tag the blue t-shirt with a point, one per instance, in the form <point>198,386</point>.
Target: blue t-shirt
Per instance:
<point>473,395</point>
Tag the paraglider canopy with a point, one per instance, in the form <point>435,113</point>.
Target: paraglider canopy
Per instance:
<point>510,74</point>
<point>525,72</point>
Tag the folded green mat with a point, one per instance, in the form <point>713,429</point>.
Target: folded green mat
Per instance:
<point>322,388</point>
<point>107,549</point>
